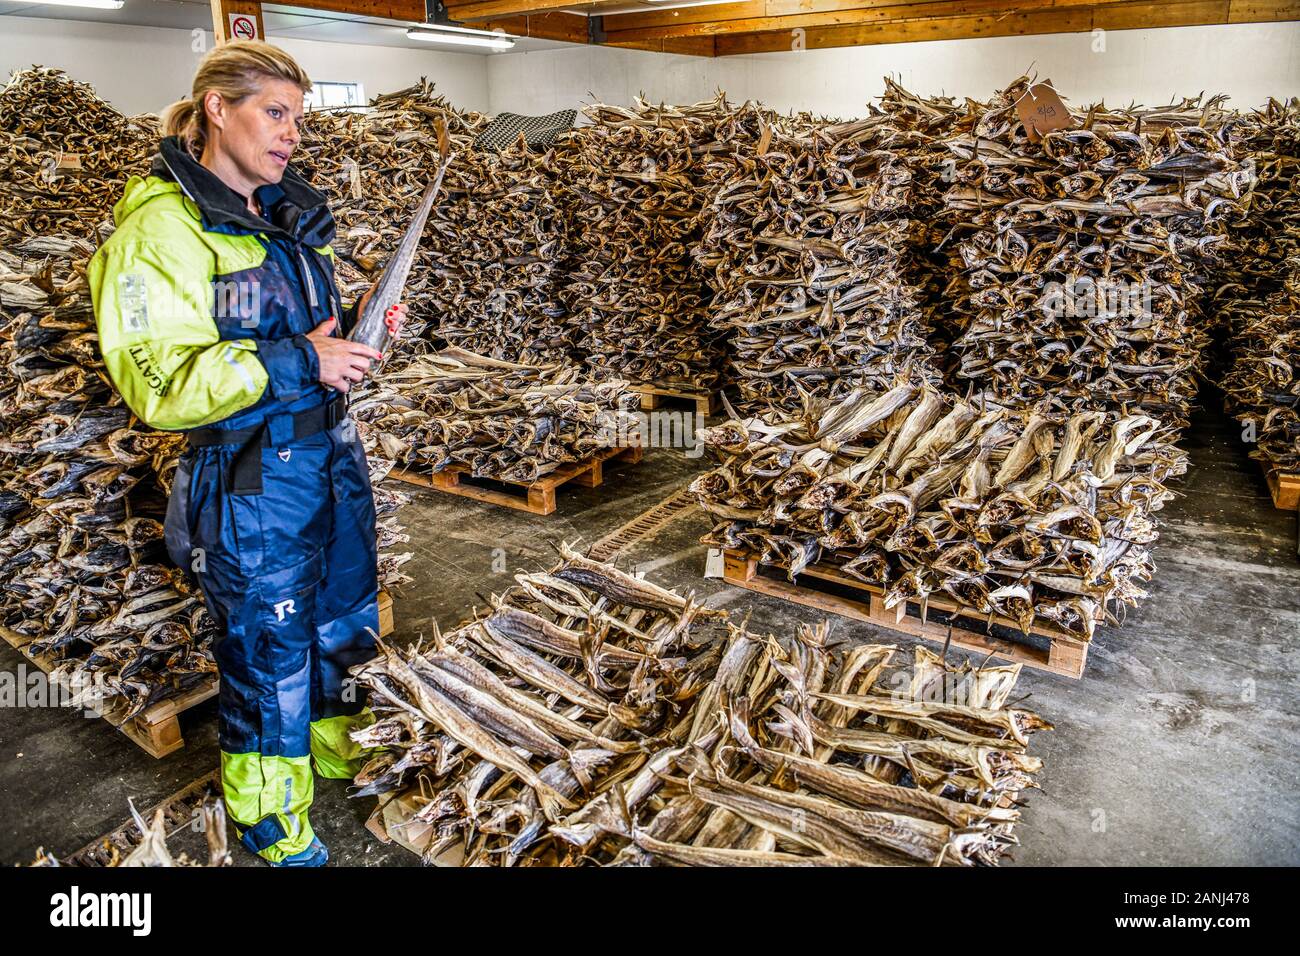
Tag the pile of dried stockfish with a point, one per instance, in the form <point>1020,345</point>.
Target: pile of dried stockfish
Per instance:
<point>83,568</point>
<point>1045,518</point>
<point>497,243</point>
<point>1262,386</point>
<point>1079,253</point>
<point>1269,238</point>
<point>809,246</point>
<point>67,155</point>
<point>924,124</point>
<point>1260,298</point>
<point>629,189</point>
<point>593,717</point>
<point>374,167</point>
<point>83,571</point>
<point>496,419</point>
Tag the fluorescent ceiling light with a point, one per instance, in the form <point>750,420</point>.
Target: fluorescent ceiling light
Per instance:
<point>96,4</point>
<point>459,36</point>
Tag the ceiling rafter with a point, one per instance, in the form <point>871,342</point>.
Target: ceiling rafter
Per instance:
<point>759,26</point>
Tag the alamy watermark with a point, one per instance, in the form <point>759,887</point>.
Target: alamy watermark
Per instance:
<point>143,303</point>
<point>1090,298</point>
<point>657,429</point>
<point>81,690</point>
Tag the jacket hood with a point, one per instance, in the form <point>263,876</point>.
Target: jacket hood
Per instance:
<point>296,209</point>
<point>139,190</point>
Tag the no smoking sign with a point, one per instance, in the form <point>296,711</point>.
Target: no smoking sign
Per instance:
<point>242,27</point>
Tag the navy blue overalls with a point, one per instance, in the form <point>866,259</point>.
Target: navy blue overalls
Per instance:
<point>279,524</point>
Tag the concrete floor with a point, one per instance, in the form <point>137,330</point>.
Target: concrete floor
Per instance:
<point>1177,747</point>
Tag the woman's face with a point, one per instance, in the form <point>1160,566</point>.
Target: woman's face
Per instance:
<point>256,136</point>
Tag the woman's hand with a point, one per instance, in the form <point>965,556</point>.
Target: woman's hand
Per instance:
<point>393,318</point>
<point>342,363</point>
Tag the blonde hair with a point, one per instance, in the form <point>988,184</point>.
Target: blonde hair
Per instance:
<point>235,70</point>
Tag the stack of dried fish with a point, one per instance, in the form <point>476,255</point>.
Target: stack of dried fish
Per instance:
<point>84,569</point>
<point>374,167</point>
<point>149,847</point>
<point>921,493</point>
<point>389,533</point>
<point>1079,252</point>
<point>924,124</point>
<point>1269,237</point>
<point>1260,299</point>
<point>505,723</point>
<point>800,754</point>
<point>809,246</point>
<point>1262,387</point>
<point>631,196</point>
<point>497,419</point>
<point>497,241</point>
<point>67,155</point>
<point>81,555</point>
<point>590,718</point>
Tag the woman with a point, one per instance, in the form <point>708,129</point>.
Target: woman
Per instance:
<point>218,315</point>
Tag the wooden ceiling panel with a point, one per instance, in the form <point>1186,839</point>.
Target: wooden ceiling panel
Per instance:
<point>760,26</point>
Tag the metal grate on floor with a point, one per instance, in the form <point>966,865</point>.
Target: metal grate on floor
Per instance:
<point>178,810</point>
<point>642,526</point>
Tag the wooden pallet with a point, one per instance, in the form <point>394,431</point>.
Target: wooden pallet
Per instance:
<point>1285,490</point>
<point>157,728</point>
<point>537,497</point>
<point>829,589</point>
<point>652,396</point>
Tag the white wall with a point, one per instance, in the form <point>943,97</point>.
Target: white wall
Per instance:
<point>1248,61</point>
<point>143,69</point>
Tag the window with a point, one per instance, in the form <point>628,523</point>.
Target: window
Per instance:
<point>326,95</point>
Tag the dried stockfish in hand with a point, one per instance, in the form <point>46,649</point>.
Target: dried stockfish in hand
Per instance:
<point>374,167</point>
<point>1041,519</point>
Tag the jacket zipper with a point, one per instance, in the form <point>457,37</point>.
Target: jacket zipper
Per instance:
<point>311,283</point>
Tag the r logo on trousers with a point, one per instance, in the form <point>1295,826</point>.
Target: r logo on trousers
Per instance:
<point>282,608</point>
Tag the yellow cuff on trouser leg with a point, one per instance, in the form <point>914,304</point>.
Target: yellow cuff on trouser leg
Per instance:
<point>336,754</point>
<point>267,799</point>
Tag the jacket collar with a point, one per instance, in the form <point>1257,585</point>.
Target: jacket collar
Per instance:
<point>293,207</point>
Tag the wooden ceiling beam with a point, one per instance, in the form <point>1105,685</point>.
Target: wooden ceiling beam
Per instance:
<point>1113,16</point>
<point>467,10</point>
<point>389,9</point>
<point>567,27</point>
<point>819,13</point>
<point>691,46</point>
<point>752,26</point>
